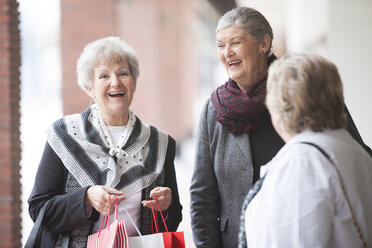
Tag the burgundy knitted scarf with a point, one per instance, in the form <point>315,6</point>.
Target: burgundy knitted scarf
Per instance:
<point>238,111</point>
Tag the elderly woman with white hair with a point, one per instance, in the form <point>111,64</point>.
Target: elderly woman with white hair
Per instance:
<point>235,134</point>
<point>104,151</point>
<point>316,192</point>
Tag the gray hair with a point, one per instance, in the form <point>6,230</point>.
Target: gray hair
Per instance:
<point>305,92</point>
<point>106,49</point>
<point>249,19</point>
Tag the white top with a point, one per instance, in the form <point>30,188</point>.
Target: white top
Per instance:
<point>132,204</point>
<point>301,203</point>
<point>116,132</point>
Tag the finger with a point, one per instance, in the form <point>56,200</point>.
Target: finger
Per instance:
<point>156,194</point>
<point>156,190</point>
<point>164,192</point>
<point>117,193</point>
<point>120,199</point>
<point>160,206</point>
<point>113,200</point>
<point>148,205</point>
<point>113,191</point>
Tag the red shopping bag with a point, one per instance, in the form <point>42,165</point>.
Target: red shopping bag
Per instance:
<point>158,240</point>
<point>173,240</point>
<point>112,236</point>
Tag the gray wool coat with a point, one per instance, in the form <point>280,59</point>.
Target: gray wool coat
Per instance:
<point>226,165</point>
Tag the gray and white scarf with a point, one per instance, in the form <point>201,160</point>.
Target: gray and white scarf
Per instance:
<point>85,147</point>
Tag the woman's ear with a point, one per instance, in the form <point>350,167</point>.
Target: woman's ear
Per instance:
<point>89,91</point>
<point>265,43</point>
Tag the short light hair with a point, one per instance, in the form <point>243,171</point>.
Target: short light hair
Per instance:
<point>305,91</point>
<point>249,19</point>
<point>109,49</point>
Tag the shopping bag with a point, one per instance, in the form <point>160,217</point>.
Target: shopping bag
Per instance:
<point>112,236</point>
<point>173,240</point>
<point>157,240</point>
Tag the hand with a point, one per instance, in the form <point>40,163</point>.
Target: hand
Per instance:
<point>164,197</point>
<point>98,197</point>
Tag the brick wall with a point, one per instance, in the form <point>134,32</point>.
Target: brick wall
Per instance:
<point>81,22</point>
<point>10,151</point>
<point>164,40</point>
<point>161,33</point>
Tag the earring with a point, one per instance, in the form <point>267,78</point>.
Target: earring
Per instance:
<point>262,52</point>
<point>90,102</point>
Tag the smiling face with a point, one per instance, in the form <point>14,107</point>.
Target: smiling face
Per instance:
<point>241,56</point>
<point>113,89</point>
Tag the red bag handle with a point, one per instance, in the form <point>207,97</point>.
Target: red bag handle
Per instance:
<point>116,208</point>
<point>155,217</point>
<point>106,218</point>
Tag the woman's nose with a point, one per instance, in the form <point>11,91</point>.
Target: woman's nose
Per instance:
<point>114,81</point>
<point>228,51</point>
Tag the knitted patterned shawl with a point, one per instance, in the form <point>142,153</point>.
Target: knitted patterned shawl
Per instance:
<point>84,145</point>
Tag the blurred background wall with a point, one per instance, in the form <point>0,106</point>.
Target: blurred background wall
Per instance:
<point>10,143</point>
<point>175,42</point>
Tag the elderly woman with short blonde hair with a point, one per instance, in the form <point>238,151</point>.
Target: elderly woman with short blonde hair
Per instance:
<point>316,191</point>
<point>104,151</point>
<point>304,100</point>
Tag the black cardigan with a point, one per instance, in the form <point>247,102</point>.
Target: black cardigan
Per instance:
<point>66,211</point>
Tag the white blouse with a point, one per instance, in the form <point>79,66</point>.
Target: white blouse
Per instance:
<point>132,204</point>
<point>301,203</point>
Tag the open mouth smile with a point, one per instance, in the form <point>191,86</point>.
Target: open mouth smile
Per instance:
<point>234,63</point>
<point>116,94</point>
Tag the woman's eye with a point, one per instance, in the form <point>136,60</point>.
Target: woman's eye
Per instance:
<point>220,45</point>
<point>102,76</point>
<point>123,73</point>
<point>236,42</point>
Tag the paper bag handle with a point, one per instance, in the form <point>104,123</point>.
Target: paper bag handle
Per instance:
<point>154,216</point>
<point>106,218</point>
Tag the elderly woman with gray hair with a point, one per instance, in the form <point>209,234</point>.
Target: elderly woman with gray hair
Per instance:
<point>316,191</point>
<point>235,134</point>
<point>106,150</point>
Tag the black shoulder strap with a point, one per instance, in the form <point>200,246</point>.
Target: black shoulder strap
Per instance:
<point>34,238</point>
<point>355,222</point>
<point>320,149</point>
<point>35,235</point>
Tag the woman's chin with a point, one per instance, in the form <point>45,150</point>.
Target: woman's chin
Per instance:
<point>118,106</point>
<point>115,110</point>
<point>235,76</point>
